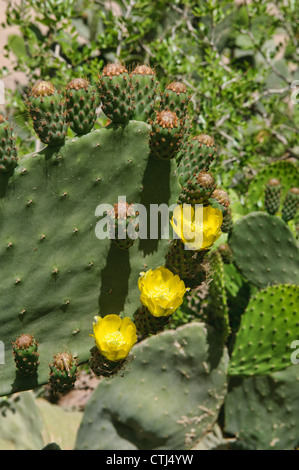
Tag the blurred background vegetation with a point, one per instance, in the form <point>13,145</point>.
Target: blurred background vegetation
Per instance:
<point>238,59</point>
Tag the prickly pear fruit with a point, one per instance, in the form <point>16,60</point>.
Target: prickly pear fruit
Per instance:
<point>25,354</point>
<point>81,105</point>
<point>226,253</point>
<point>166,135</point>
<point>63,373</point>
<point>145,89</point>
<point>147,324</point>
<point>272,196</point>
<point>221,197</point>
<point>199,154</point>
<point>8,151</point>
<point>290,204</point>
<point>198,189</point>
<point>116,93</point>
<point>48,113</point>
<point>185,263</point>
<point>121,220</point>
<point>103,367</point>
<point>176,98</point>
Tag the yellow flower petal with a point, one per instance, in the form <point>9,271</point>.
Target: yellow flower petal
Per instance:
<point>197,229</point>
<point>161,291</point>
<point>113,336</point>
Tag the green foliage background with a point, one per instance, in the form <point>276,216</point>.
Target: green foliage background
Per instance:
<point>239,61</point>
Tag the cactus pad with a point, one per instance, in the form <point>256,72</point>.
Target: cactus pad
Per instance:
<point>268,327</point>
<point>263,411</point>
<point>56,274</point>
<point>169,397</point>
<point>264,250</point>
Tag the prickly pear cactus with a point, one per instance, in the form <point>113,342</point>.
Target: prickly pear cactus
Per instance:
<point>56,273</point>
<point>168,398</point>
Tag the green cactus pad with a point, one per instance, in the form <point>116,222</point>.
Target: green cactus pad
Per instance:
<point>8,150</point>
<point>169,397</point>
<point>268,327</point>
<point>263,411</point>
<point>286,172</point>
<point>264,250</point>
<point>81,103</point>
<point>56,275</point>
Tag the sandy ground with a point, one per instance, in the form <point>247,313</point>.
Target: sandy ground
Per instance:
<point>13,77</point>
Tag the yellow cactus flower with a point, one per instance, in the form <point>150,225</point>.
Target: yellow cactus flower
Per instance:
<point>198,229</point>
<point>162,292</point>
<point>114,337</point>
